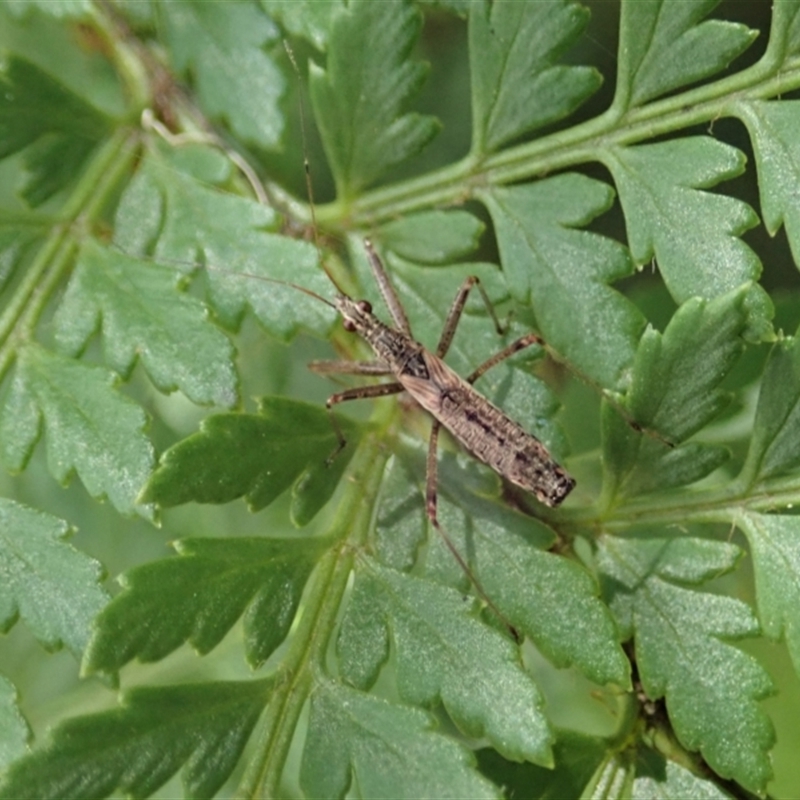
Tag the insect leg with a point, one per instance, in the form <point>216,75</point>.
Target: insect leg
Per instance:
<point>387,290</point>
<point>430,509</point>
<point>350,368</point>
<point>454,315</point>
<point>362,392</point>
<point>356,393</point>
<point>506,352</point>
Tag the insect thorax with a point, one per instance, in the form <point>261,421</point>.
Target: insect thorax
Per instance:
<point>394,348</point>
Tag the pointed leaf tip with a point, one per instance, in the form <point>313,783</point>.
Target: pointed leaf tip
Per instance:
<point>359,96</point>
<point>517,83</point>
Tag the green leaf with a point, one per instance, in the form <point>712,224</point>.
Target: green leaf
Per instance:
<point>317,483</point>
<point>382,750</point>
<point>775,442</point>
<point>664,45</point>
<point>60,10</point>
<point>772,127</point>
<point>258,456</point>
<point>198,596</point>
<point>52,586</point>
<point>710,688</point>
<point>693,234</point>
<point>643,774</point>
<point>57,129</point>
<point>638,463</point>
<point>576,756</point>
<point>775,547</point>
<point>401,523</point>
<point>14,730</point>
<point>135,748</point>
<point>676,375</point>
<point>90,428</point>
<point>564,273</point>
<point>544,596</point>
<point>18,230</point>
<point>66,50</point>
<point>674,391</point>
<point>358,97</point>
<point>223,46</point>
<point>517,84</point>
<point>307,18</point>
<point>444,655</point>
<point>785,30</point>
<point>433,237</point>
<point>179,218</point>
<point>143,316</point>
<point>613,777</point>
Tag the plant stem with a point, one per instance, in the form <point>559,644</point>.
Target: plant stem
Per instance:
<point>458,182</point>
<point>720,504</point>
<point>306,656</point>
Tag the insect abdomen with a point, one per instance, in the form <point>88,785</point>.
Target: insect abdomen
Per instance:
<point>489,434</point>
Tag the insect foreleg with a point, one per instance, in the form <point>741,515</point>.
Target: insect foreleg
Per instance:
<point>357,393</point>
<point>387,290</point>
<point>454,315</point>
<point>363,392</point>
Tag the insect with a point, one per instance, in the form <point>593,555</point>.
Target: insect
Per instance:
<point>476,423</point>
<point>480,426</point>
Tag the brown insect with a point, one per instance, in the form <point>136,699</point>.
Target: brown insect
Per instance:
<point>480,426</point>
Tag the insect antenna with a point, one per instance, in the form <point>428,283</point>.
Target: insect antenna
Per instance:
<point>176,262</point>
<point>307,170</point>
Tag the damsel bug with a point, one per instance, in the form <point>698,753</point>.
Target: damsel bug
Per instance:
<point>481,427</point>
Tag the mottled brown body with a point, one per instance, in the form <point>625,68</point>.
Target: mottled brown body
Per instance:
<point>487,432</point>
<point>480,426</point>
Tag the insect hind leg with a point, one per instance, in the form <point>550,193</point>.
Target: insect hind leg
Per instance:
<point>431,502</point>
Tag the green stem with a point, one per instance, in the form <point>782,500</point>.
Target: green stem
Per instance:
<point>111,162</point>
<point>133,61</point>
<point>458,182</point>
<point>720,504</point>
<point>306,655</point>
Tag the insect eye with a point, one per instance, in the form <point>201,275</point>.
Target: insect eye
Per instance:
<point>365,306</point>
<point>349,325</point>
